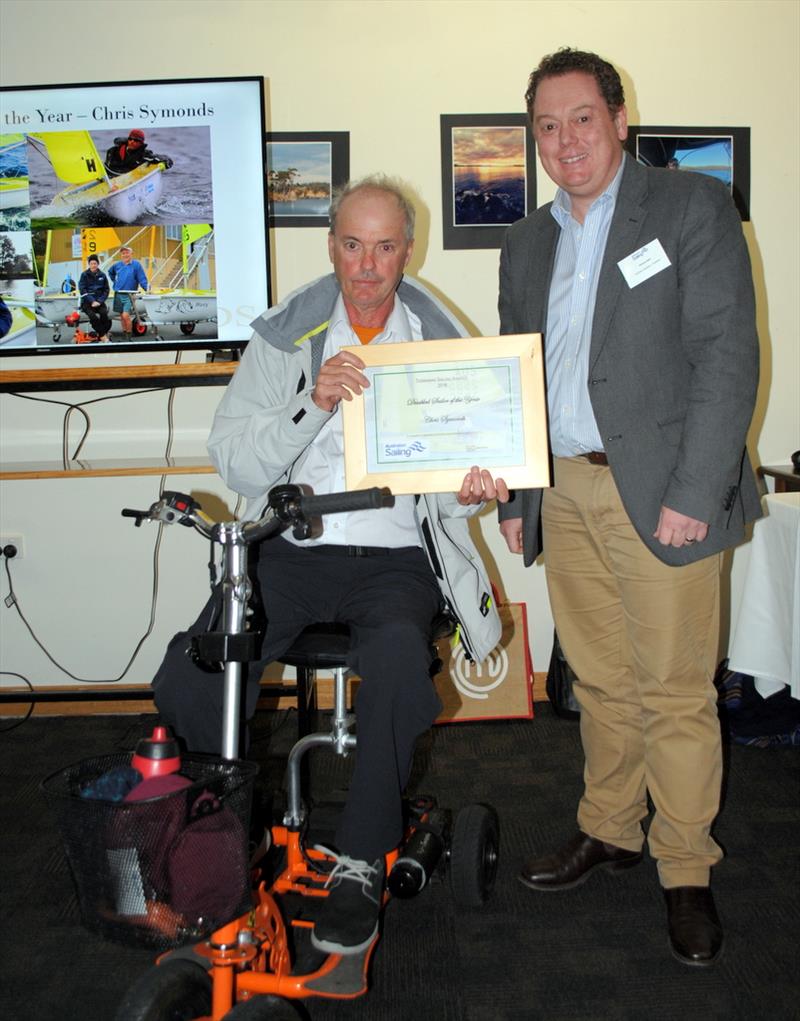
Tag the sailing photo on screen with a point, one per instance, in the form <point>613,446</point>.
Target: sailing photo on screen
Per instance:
<point>102,178</point>
<point>139,212</point>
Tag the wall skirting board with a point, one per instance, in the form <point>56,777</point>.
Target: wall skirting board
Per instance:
<point>117,700</point>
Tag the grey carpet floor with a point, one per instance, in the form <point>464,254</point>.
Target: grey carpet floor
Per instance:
<point>596,952</point>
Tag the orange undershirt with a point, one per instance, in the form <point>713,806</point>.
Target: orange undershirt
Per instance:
<point>366,333</point>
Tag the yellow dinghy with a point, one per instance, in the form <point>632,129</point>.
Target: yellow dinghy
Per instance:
<point>75,159</point>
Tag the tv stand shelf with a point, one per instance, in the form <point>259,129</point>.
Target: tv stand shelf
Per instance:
<point>107,467</point>
<point>117,377</point>
<point>105,378</point>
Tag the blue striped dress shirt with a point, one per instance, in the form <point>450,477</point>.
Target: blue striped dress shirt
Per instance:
<point>570,311</point>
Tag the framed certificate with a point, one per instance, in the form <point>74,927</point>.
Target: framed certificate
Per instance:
<point>435,408</point>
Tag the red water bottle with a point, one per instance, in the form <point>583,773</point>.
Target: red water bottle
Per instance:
<point>157,755</point>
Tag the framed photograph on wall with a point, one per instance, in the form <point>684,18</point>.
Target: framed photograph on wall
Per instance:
<point>303,168</point>
<point>723,153</point>
<point>488,177</point>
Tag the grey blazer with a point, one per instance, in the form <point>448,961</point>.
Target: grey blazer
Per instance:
<point>673,367</point>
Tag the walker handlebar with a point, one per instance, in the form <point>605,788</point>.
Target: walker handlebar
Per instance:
<point>287,506</point>
<point>339,503</point>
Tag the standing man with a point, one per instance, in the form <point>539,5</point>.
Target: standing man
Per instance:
<point>640,281</point>
<point>93,289</point>
<point>385,573</point>
<point>127,277</point>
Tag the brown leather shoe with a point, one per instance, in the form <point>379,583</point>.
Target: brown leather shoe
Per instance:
<point>695,932</point>
<point>572,865</point>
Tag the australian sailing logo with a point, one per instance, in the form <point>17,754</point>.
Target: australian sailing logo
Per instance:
<point>403,449</point>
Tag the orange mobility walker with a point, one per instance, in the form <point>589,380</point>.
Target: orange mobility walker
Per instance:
<point>261,966</point>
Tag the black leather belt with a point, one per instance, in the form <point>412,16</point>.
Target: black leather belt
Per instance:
<point>596,457</point>
<point>362,551</point>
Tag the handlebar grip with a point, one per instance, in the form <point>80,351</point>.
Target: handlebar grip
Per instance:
<point>339,503</point>
<point>127,512</point>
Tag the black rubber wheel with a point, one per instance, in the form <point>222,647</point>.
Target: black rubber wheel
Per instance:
<point>265,1008</point>
<point>139,328</point>
<point>174,991</point>
<point>474,853</point>
<point>187,328</point>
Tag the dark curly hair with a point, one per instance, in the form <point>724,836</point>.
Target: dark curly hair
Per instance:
<point>566,60</point>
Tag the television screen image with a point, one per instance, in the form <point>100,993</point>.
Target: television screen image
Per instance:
<point>170,282</point>
<point>162,183</point>
<point>14,184</point>
<point>172,183</point>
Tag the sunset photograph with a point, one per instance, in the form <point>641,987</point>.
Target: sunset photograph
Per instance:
<point>489,173</point>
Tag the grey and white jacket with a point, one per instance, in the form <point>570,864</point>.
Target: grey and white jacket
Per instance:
<point>267,419</point>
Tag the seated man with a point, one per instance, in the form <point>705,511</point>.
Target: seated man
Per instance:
<point>128,153</point>
<point>386,573</point>
<point>93,288</point>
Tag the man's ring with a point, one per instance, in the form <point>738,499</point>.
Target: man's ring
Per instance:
<point>687,541</point>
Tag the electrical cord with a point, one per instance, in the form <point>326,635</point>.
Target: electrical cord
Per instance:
<point>12,600</point>
<point>79,406</point>
<point>27,716</point>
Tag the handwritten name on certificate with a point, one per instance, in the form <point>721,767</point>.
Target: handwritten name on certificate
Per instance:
<point>440,415</point>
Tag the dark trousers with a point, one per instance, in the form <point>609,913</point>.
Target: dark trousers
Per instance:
<point>98,317</point>
<point>389,602</point>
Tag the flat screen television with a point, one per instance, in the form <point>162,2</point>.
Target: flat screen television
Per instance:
<point>173,171</point>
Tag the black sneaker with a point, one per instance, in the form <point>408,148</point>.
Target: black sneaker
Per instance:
<point>348,919</point>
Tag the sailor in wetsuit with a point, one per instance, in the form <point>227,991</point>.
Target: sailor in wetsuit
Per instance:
<point>128,153</point>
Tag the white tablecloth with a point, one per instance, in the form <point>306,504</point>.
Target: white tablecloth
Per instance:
<point>766,638</point>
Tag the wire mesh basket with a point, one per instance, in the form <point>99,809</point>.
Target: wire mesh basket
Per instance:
<point>162,871</point>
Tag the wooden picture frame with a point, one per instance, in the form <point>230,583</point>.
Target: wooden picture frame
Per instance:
<point>435,408</point>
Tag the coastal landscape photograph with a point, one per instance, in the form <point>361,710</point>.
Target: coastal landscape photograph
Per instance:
<point>299,178</point>
<point>303,170</point>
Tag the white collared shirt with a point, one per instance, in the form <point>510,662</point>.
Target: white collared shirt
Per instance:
<point>323,467</point>
<point>570,313</point>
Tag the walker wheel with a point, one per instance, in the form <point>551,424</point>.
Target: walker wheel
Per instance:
<point>474,851</point>
<point>177,990</point>
<point>139,328</point>
<point>265,1008</point>
<point>187,328</point>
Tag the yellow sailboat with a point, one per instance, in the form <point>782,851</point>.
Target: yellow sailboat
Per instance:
<point>75,159</point>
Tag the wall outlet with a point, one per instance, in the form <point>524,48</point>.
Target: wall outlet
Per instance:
<point>13,540</point>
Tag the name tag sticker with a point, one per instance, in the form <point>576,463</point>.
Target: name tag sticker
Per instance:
<point>644,263</point>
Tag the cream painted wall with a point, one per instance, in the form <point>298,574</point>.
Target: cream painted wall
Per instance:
<point>383,71</point>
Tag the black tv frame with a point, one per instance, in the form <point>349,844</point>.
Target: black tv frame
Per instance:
<point>131,99</point>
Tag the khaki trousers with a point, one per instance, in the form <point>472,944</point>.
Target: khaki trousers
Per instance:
<point>642,638</point>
